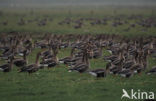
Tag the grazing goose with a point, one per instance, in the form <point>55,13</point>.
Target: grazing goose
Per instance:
<point>33,67</point>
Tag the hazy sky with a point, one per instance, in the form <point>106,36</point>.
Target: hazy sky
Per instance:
<point>75,2</point>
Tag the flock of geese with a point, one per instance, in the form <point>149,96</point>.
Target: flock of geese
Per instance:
<point>128,56</point>
<point>131,21</point>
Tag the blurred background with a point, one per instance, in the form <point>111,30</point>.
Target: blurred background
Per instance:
<point>50,3</point>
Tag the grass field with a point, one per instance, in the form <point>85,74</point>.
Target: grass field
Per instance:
<point>55,16</point>
<point>56,84</point>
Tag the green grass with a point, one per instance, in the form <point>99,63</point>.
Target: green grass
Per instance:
<point>57,84</point>
<point>13,16</point>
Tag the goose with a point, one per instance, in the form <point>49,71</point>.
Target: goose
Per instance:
<point>82,67</point>
<point>47,55</point>
<point>75,61</point>
<point>7,67</point>
<point>138,68</point>
<point>26,48</point>
<point>53,61</point>
<point>118,60</point>
<point>126,73</point>
<point>115,70</point>
<point>66,60</point>
<point>129,63</point>
<point>110,58</point>
<point>41,44</point>
<point>21,62</point>
<point>32,67</point>
<point>98,52</point>
<point>115,56</point>
<point>100,72</point>
<point>64,45</point>
<point>133,69</point>
<point>49,63</point>
<point>117,65</point>
<point>7,54</point>
<point>152,71</point>
<point>140,64</point>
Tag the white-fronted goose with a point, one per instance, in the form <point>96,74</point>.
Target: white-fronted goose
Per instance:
<point>82,67</point>
<point>100,72</point>
<point>32,67</point>
<point>7,67</point>
<point>152,71</point>
<point>21,62</point>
